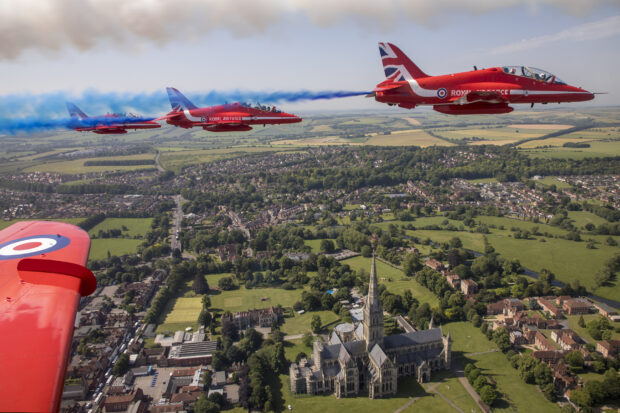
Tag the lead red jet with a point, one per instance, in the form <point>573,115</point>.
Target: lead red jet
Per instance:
<point>231,117</point>
<point>112,123</point>
<point>485,91</point>
<point>42,278</point>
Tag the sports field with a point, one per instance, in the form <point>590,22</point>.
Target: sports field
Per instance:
<point>99,248</point>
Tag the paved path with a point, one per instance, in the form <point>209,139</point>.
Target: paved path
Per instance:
<point>482,352</point>
<point>447,400</point>
<point>176,223</point>
<point>458,370</point>
<point>406,406</point>
<point>293,337</point>
<point>159,167</point>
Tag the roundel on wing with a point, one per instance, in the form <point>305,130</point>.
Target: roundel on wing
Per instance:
<point>33,245</point>
<point>442,93</point>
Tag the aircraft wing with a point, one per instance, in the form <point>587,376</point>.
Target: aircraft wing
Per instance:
<point>42,278</point>
<point>480,96</point>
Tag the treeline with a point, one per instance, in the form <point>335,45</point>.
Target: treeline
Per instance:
<point>90,222</point>
<point>178,274</point>
<point>119,162</point>
<point>27,186</point>
<point>95,189</point>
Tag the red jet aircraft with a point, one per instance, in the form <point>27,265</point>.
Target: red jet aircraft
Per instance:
<point>485,91</point>
<point>108,124</point>
<point>42,278</point>
<point>232,117</point>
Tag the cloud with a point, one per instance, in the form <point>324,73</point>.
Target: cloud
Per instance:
<point>51,25</point>
<point>590,31</point>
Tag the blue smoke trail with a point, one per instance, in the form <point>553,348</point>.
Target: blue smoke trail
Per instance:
<point>28,113</point>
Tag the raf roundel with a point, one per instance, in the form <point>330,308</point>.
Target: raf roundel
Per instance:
<point>33,245</point>
<point>442,93</point>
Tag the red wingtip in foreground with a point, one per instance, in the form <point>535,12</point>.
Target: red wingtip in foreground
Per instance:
<point>42,278</point>
<point>232,117</point>
<point>486,91</point>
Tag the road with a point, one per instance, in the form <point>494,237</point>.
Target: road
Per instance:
<point>176,222</point>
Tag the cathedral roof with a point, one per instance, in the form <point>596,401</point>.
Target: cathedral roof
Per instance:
<point>355,348</point>
<point>359,331</point>
<point>377,355</point>
<point>411,339</point>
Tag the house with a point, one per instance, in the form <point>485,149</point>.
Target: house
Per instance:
<point>608,348</point>
<point>434,264</point>
<point>469,287</point>
<point>577,306</point>
<point>549,356</point>
<point>453,279</point>
<point>517,338</point>
<point>566,338</point>
<point>541,342</point>
<point>263,317</point>
<point>607,311</point>
<point>120,403</point>
<point>549,308</point>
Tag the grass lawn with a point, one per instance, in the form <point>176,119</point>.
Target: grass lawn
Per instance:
<point>582,218</point>
<point>184,314</point>
<point>408,389</point>
<point>452,388</point>
<point>243,299</point>
<point>294,347</point>
<point>315,244</point>
<point>550,180</point>
<point>99,248</point>
<point>583,332</point>
<point>516,395</point>
<point>466,338</point>
<point>300,323</point>
<point>394,279</point>
<point>135,226</point>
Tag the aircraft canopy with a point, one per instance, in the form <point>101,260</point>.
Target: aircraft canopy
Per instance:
<point>533,73</point>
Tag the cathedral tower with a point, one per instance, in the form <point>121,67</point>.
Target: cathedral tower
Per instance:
<point>373,313</point>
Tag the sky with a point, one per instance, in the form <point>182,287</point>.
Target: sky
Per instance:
<point>66,47</point>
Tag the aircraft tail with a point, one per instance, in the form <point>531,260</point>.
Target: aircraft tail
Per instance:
<point>75,112</point>
<point>178,101</point>
<point>397,65</point>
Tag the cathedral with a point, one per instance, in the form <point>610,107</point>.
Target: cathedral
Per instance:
<point>360,359</point>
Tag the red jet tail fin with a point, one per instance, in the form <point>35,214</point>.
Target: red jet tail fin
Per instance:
<point>397,65</point>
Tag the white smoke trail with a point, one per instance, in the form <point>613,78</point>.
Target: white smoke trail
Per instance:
<point>48,25</point>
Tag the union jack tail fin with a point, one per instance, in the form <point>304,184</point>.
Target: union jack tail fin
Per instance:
<point>75,112</point>
<point>178,101</point>
<point>397,65</point>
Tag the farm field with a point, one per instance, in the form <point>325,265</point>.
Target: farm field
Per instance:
<point>414,137</point>
<point>136,227</point>
<point>76,166</point>
<point>598,149</point>
<point>492,134</point>
<point>99,248</point>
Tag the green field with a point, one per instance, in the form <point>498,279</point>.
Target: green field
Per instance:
<point>184,314</point>
<point>568,260</point>
<point>583,332</point>
<point>599,149</point>
<point>550,180</point>
<point>99,248</point>
<point>471,346</point>
<point>243,299</point>
<point>74,221</point>
<point>315,244</point>
<point>136,227</point>
<point>394,279</point>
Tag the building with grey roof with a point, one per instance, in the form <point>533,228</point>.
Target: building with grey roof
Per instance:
<point>358,358</point>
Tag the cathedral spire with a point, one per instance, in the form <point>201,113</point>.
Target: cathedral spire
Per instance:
<point>373,289</point>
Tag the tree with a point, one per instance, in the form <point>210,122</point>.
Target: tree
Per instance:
<point>204,405</point>
<point>574,359</point>
<point>488,395</point>
<point>122,365</point>
<point>542,374</point>
<point>229,330</point>
<point>480,382</point>
<point>327,246</point>
<point>502,339</point>
<point>581,322</point>
<point>226,283</point>
<point>307,339</point>
<point>315,324</point>
<point>200,285</point>
<point>412,263</point>
<point>549,392</point>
